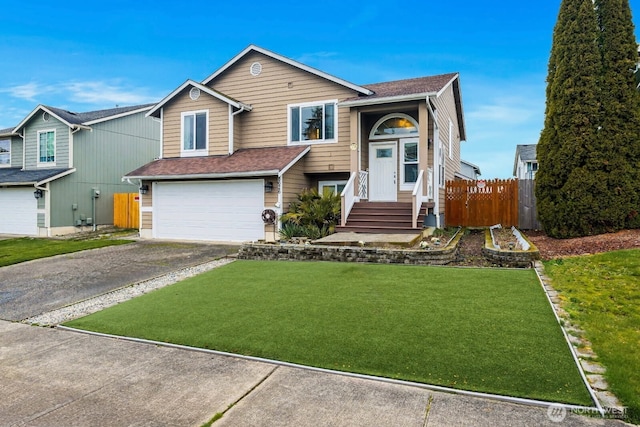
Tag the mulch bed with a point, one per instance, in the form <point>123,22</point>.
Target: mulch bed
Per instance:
<point>470,246</point>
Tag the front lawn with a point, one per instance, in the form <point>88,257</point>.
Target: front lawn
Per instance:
<point>13,251</point>
<point>601,293</point>
<point>489,330</point>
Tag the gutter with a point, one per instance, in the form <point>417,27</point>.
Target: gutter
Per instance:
<point>206,176</point>
<point>243,107</point>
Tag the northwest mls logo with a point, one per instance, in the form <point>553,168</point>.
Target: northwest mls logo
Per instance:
<point>556,413</point>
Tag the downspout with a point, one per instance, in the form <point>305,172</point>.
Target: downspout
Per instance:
<point>231,115</point>
<point>72,131</point>
<point>436,163</point>
<point>24,148</point>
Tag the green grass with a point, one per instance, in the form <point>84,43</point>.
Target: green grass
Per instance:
<point>487,330</point>
<point>601,293</point>
<point>13,251</point>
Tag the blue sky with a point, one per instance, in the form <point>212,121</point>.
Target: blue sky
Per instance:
<point>85,56</point>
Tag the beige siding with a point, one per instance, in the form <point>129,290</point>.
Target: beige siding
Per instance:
<point>218,123</point>
<point>147,221</point>
<point>446,108</point>
<point>293,182</point>
<point>277,86</point>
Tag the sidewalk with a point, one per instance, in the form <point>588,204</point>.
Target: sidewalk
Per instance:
<point>52,377</point>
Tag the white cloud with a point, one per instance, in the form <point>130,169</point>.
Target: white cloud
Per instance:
<point>27,91</point>
<point>104,93</point>
<point>80,94</point>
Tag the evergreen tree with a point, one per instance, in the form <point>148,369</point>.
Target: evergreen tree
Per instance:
<point>619,152</point>
<point>571,121</point>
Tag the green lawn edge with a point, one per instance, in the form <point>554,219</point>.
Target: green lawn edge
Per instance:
<point>485,330</point>
<point>601,294</point>
<point>14,251</point>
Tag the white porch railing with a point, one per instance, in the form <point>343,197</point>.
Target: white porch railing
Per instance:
<point>416,199</point>
<point>363,185</point>
<point>348,199</point>
<point>429,184</point>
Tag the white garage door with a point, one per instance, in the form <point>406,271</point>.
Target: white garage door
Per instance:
<point>220,210</point>
<point>18,211</point>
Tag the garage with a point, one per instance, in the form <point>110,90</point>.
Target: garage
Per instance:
<point>18,211</point>
<point>209,210</point>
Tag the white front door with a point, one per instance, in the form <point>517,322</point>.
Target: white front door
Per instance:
<point>383,171</point>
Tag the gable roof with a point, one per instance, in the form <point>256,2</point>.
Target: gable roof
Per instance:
<point>222,97</point>
<point>76,120</point>
<point>17,176</point>
<point>412,90</point>
<point>247,162</point>
<point>526,152</point>
<point>296,64</point>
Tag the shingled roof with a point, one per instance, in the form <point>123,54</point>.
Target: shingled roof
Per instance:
<point>17,176</point>
<point>83,119</point>
<point>244,162</point>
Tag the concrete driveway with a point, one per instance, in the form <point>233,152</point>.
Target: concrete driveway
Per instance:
<point>34,287</point>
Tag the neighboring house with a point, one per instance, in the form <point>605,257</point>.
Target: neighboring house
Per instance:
<point>468,171</point>
<point>263,127</point>
<point>525,165</point>
<point>59,169</point>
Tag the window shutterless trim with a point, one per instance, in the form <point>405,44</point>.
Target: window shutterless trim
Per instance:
<point>291,107</point>
<point>186,152</point>
<point>55,146</point>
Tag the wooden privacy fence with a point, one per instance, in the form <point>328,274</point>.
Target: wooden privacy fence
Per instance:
<point>126,210</point>
<point>481,203</point>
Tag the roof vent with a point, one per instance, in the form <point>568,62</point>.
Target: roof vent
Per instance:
<point>256,69</point>
<point>45,116</point>
<point>194,93</point>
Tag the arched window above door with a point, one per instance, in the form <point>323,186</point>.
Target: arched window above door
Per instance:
<point>394,125</point>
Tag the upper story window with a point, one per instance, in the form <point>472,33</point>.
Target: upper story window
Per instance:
<point>450,139</point>
<point>5,152</point>
<point>195,133</point>
<point>313,122</point>
<point>46,148</point>
<point>394,125</point>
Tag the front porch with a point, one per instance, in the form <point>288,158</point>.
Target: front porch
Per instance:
<point>391,186</point>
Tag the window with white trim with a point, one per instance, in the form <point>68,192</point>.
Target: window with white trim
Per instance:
<point>195,133</point>
<point>409,168</point>
<point>313,122</point>
<point>335,187</point>
<point>450,139</point>
<point>5,152</point>
<point>46,148</point>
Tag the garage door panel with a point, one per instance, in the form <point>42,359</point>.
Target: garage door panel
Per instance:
<point>220,210</point>
<point>18,211</point>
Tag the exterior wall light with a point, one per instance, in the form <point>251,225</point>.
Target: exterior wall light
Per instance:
<point>268,187</point>
<point>144,189</point>
<point>37,194</point>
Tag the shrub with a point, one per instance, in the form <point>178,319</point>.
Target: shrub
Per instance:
<point>316,213</point>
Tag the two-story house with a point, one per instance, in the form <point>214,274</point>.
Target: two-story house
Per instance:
<point>261,128</point>
<point>525,164</point>
<point>60,169</point>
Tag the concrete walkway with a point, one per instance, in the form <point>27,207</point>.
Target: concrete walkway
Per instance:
<point>52,377</point>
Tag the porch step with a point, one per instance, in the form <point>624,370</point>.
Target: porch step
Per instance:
<point>382,218</point>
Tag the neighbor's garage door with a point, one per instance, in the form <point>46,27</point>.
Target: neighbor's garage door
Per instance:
<point>18,211</point>
<point>220,210</point>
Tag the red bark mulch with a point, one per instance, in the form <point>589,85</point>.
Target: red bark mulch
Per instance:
<point>559,248</point>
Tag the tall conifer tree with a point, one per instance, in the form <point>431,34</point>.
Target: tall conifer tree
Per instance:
<point>571,121</point>
<point>619,152</point>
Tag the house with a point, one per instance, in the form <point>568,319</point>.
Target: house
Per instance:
<point>60,169</point>
<point>261,128</point>
<point>525,164</point>
<point>468,171</point>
